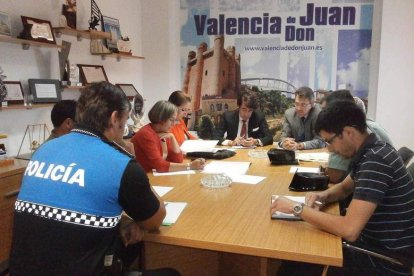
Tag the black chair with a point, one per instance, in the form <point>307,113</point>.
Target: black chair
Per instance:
<point>398,259</point>
<point>406,154</point>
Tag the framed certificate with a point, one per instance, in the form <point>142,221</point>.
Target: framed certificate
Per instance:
<point>37,29</point>
<point>15,93</point>
<point>45,91</point>
<point>129,90</point>
<point>92,73</point>
<point>5,25</point>
<point>111,25</point>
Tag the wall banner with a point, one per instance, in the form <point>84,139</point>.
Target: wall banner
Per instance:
<point>277,44</point>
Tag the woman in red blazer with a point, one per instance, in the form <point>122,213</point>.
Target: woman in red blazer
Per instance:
<point>156,148</point>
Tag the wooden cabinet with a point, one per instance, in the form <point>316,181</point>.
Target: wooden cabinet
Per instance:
<point>10,182</point>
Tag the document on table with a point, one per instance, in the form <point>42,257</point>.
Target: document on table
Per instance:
<point>246,179</point>
<point>313,156</point>
<point>155,173</point>
<point>295,169</point>
<point>227,167</point>
<point>174,210</point>
<point>162,190</point>
<point>199,145</point>
<point>280,215</point>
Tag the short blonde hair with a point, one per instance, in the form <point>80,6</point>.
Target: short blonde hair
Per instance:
<point>161,112</point>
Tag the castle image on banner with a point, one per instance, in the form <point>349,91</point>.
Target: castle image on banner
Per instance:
<point>212,80</point>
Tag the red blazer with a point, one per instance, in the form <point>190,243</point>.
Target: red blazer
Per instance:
<point>148,151</point>
<point>180,130</point>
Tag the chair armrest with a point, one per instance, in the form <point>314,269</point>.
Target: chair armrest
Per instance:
<point>392,257</point>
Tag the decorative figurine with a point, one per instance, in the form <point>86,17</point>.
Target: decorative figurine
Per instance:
<point>136,113</point>
<point>3,89</point>
<point>96,16</point>
<point>68,17</point>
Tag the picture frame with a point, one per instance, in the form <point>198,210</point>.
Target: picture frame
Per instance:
<point>45,90</point>
<point>37,30</point>
<point>15,94</point>
<point>5,24</point>
<point>111,25</point>
<point>91,73</point>
<point>129,90</point>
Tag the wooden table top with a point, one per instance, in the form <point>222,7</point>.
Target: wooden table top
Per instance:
<point>237,219</point>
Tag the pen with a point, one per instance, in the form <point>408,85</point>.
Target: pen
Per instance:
<point>165,204</point>
<point>318,203</point>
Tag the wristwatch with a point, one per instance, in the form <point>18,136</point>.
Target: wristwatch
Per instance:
<point>298,209</point>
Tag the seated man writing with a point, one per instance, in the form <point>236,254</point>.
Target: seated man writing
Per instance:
<point>381,212</point>
<point>245,126</point>
<point>298,128</point>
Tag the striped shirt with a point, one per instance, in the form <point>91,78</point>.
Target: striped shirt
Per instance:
<point>380,177</point>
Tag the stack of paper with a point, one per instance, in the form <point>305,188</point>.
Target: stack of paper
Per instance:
<point>199,145</point>
<point>174,210</point>
<point>227,167</point>
<point>162,190</point>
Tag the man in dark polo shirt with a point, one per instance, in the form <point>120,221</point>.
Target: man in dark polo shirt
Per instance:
<point>381,212</point>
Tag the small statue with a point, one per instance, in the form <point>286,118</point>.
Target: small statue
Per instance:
<point>35,145</point>
<point>136,112</point>
<point>3,89</point>
<point>93,23</point>
<point>96,16</point>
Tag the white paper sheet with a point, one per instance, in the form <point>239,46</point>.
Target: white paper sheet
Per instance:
<point>313,156</point>
<point>174,210</point>
<point>173,173</point>
<point>162,190</point>
<point>246,179</point>
<point>294,169</point>
<point>227,167</point>
<point>199,145</point>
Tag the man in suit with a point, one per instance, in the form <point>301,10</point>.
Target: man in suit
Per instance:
<point>298,128</point>
<point>245,126</point>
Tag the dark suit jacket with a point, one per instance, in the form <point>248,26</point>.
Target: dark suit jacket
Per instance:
<point>257,128</point>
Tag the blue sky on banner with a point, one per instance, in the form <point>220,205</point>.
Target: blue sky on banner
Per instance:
<point>332,56</point>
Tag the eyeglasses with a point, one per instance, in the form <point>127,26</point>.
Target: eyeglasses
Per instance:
<point>302,105</point>
<point>185,110</point>
<point>173,120</point>
<point>330,140</point>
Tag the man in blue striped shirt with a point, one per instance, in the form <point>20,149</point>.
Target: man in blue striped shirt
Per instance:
<point>381,212</point>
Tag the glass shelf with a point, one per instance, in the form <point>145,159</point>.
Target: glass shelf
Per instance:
<point>22,106</point>
<point>118,56</point>
<point>88,34</point>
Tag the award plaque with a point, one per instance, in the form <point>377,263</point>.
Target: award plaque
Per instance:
<point>37,30</point>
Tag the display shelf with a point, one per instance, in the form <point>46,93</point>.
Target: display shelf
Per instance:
<point>88,34</point>
<point>22,106</point>
<point>73,87</point>
<point>118,56</point>
<point>27,43</point>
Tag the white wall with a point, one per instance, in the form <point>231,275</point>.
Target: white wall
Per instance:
<point>395,100</point>
<point>20,65</point>
<point>160,43</point>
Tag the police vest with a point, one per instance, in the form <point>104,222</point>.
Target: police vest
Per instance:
<point>75,179</point>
